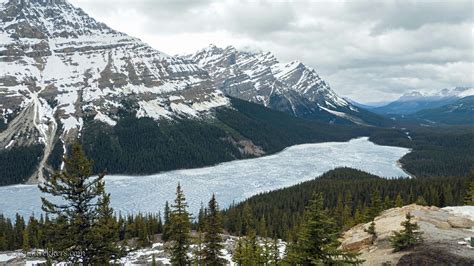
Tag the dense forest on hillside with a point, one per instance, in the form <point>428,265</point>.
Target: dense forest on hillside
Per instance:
<point>436,151</point>
<point>18,164</point>
<point>352,196</point>
<point>144,146</point>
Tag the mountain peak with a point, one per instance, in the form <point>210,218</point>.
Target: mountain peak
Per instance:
<point>24,3</point>
<point>61,66</point>
<point>259,77</point>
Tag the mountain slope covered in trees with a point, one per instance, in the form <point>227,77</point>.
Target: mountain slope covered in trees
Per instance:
<point>352,196</point>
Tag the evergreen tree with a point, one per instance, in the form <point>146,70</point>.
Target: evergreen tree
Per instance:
<point>408,237</point>
<point>275,253</point>
<point>317,241</point>
<point>198,252</point>
<point>448,198</point>
<point>212,238</point>
<point>239,252</point>
<point>180,227</point>
<point>142,231</point>
<point>248,219</point>
<point>469,198</point>
<point>201,217</point>
<point>371,230</point>
<point>387,203</point>
<point>376,205</point>
<point>19,227</point>
<point>166,223</point>
<point>339,211</point>
<point>33,232</point>
<point>26,241</point>
<point>79,216</point>
<point>399,201</point>
<point>253,252</point>
<point>104,231</point>
<point>421,201</point>
<point>347,212</point>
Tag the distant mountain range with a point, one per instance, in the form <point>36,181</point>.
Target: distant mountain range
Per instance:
<point>415,101</point>
<point>459,112</point>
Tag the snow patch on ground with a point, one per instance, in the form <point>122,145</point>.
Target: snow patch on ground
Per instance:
<point>467,211</point>
<point>104,118</point>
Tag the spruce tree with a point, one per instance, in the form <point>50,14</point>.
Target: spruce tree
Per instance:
<point>26,241</point>
<point>275,253</point>
<point>180,228</point>
<point>339,212</point>
<point>105,232</point>
<point>448,198</point>
<point>166,223</point>
<point>318,241</point>
<point>80,214</point>
<point>376,205</point>
<point>347,212</point>
<point>371,230</point>
<point>408,237</point>
<point>212,238</point>
<point>469,198</point>
<point>399,201</point>
<point>421,201</point>
<point>238,255</point>
<point>198,251</point>
<point>387,203</point>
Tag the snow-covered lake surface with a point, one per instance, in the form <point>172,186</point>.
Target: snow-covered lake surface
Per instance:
<point>231,182</point>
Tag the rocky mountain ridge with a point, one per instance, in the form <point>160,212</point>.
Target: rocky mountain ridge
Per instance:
<point>291,87</point>
<point>59,66</point>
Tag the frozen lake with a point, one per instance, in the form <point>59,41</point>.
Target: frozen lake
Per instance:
<point>231,182</point>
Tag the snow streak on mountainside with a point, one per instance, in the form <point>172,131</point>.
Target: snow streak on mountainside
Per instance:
<point>291,87</point>
<point>58,67</point>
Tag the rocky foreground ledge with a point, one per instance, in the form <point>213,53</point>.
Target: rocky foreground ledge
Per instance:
<point>446,237</point>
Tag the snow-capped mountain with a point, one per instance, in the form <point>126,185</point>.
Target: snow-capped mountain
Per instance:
<point>415,101</point>
<point>290,87</point>
<point>58,66</point>
<point>457,92</point>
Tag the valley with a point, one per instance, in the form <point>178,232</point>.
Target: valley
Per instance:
<point>231,182</point>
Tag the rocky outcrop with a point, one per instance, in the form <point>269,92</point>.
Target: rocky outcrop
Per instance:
<point>444,232</point>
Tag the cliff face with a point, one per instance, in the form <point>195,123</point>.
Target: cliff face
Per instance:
<point>445,232</point>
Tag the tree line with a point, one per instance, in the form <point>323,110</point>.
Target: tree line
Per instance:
<point>351,196</point>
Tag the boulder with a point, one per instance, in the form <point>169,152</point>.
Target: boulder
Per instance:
<point>460,222</point>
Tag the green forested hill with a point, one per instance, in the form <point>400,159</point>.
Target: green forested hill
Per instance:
<point>460,112</point>
<point>352,196</point>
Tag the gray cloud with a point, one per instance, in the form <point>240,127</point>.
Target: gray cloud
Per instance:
<point>365,49</point>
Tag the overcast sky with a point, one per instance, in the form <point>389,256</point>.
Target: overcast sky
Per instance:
<point>367,50</point>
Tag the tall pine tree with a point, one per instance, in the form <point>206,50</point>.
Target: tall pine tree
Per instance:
<point>180,229</point>
<point>317,241</point>
<point>212,239</point>
<point>80,214</point>
<point>469,198</point>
